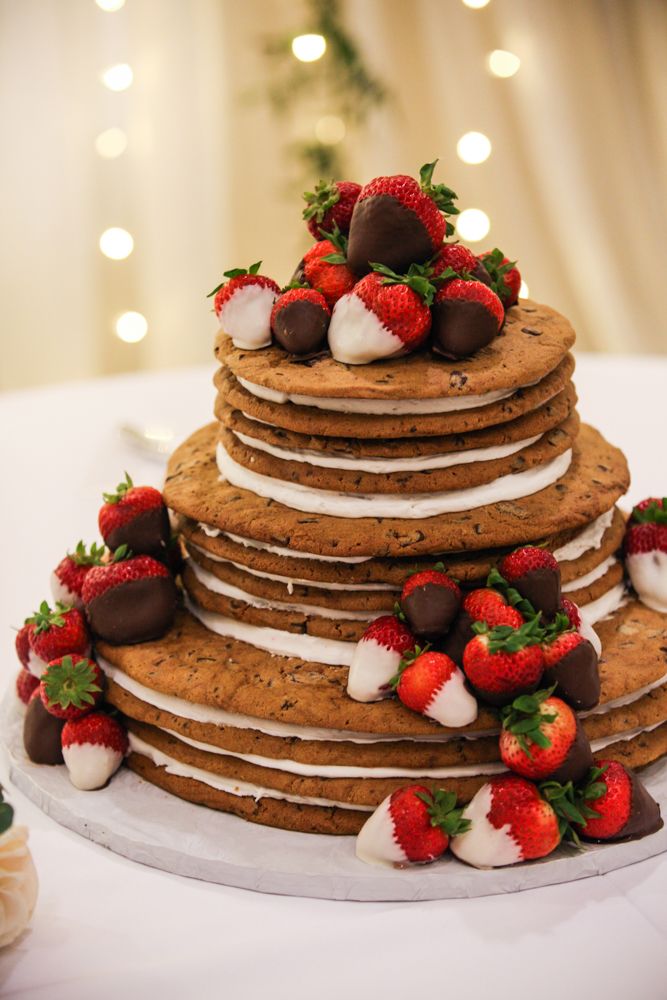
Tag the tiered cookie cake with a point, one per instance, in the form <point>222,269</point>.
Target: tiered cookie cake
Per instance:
<point>304,507</point>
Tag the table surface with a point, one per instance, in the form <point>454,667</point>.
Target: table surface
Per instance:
<point>106,927</point>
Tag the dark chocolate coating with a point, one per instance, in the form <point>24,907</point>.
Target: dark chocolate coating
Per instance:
<point>499,699</point>
<point>301,327</point>
<point>577,677</point>
<point>542,588</point>
<point>430,610</point>
<point>458,637</point>
<point>41,734</point>
<point>299,276</point>
<point>460,327</point>
<point>644,815</point>
<point>383,231</point>
<point>480,273</point>
<point>578,760</point>
<point>136,611</point>
<point>145,534</point>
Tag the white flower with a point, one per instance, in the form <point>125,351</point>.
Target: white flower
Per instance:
<point>18,883</point>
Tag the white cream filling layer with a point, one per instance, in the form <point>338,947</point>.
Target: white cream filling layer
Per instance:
<point>218,586</point>
<point>440,404</point>
<point>605,605</point>
<point>408,506</point>
<point>229,785</point>
<point>629,734</point>
<point>380,466</point>
<point>626,699</point>
<point>250,543</point>
<point>588,578</point>
<point>590,538</point>
<point>296,644</point>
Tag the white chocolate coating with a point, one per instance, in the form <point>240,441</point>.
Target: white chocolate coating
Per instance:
<point>357,336</point>
<point>648,573</point>
<point>376,842</point>
<point>246,316</point>
<point>484,846</point>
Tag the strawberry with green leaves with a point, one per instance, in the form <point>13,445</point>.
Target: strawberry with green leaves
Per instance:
<point>330,205</point>
<point>134,516</point>
<point>25,684</point>
<point>542,739</point>
<point>324,267</point>
<point>56,632</point>
<point>243,306</point>
<point>413,825</point>
<point>71,686</point>
<point>535,573</point>
<point>300,320</point>
<point>619,806</point>
<point>571,666</point>
<point>503,662</point>
<point>68,576</point>
<point>431,683</point>
<point>504,275</point>
<point>645,549</point>
<point>467,315</point>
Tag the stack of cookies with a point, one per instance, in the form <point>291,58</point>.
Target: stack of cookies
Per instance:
<point>320,487</point>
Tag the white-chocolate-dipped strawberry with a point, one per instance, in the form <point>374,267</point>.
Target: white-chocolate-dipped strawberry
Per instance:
<point>645,547</point>
<point>433,685</point>
<point>377,658</point>
<point>243,306</point>
<point>93,748</point>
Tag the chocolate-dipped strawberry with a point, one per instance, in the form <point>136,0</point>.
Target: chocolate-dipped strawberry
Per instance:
<point>300,320</point>
<point>68,576</point>
<point>571,664</point>
<point>503,274</point>
<point>616,805</point>
<point>330,205</point>
<point>467,315</point>
<point>542,739</point>
<point>535,573</point>
<point>430,601</point>
<point>398,221</point>
<point>243,306</point>
<point>580,623</point>
<point>42,732</point>
<point>134,516</point>
<point>132,599</point>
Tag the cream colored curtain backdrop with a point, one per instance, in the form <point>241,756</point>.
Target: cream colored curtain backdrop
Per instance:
<point>576,186</point>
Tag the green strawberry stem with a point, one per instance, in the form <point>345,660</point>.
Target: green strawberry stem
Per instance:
<point>507,639</point>
<point>417,278</point>
<point>571,802</point>
<point>82,557</point>
<point>407,659</point>
<point>71,684</point>
<point>319,201</point>
<point>236,272</point>
<point>523,719</point>
<point>442,195</point>
<point>121,490</point>
<point>440,805</point>
<point>45,618</point>
<point>493,263</point>
<point>655,513</point>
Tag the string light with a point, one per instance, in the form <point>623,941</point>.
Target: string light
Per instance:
<point>472,224</point>
<point>524,291</point>
<point>476,4</point>
<point>330,130</point>
<point>117,244</point>
<point>110,6</point>
<point>502,63</point>
<point>118,77</point>
<point>473,147</point>
<point>309,48</point>
<point>111,143</point>
<point>131,327</point>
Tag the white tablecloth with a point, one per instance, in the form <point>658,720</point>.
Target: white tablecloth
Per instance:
<point>105,927</point>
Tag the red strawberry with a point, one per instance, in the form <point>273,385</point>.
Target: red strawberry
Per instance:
<point>412,824</point>
<point>134,516</point>
<point>542,738</point>
<point>487,605</point>
<point>536,575</point>
<point>467,315</point>
<point>377,658</point>
<point>68,576</point>
<point>572,612</point>
<point>243,306</point>
<point>54,634</point>
<point>25,684</point>
<point>330,205</point>
<point>433,685</point>
<point>384,316</point>
<point>571,665</point>
<point>504,274</point>
<point>300,320</point>
<point>22,644</point>
<point>454,256</point>
<point>617,805</point>
<point>398,221</point>
<point>510,822</point>
<point>324,267</point>
<point>430,601</point>
<point>93,748</point>
<point>504,662</point>
<point>645,547</point>
<point>130,600</point>
<point>71,686</point>
<point>580,624</point>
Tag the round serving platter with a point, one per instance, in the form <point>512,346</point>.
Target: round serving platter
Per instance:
<point>147,825</point>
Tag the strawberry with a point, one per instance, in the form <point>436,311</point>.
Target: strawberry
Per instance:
<point>645,549</point>
<point>432,684</point>
<point>25,684</point>
<point>384,316</point>
<point>22,644</point>
<point>134,516</point>
<point>503,662</point>
<point>324,267</point>
<point>543,739</point>
<point>504,274</point>
<point>71,686</point>
<point>93,748</point>
<point>487,605</point>
<point>510,822</point>
<point>330,205</point>
<point>56,633</point>
<point>398,221</point>
<point>68,576</point>
<point>412,825</point>
<point>617,806</point>
<point>300,320</point>
<point>580,624</point>
<point>132,599</point>
<point>430,601</point>
<point>377,658</point>
<point>453,256</point>
<point>243,306</point>
<point>42,732</point>
<point>571,666</point>
<point>535,573</point>
<point>467,315</point>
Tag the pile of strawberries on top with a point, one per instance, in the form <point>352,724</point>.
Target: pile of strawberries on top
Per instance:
<point>122,592</point>
<point>379,282</point>
<point>520,648</point>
